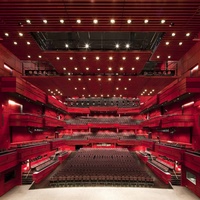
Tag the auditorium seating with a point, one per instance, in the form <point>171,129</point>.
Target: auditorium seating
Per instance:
<point>101,167</point>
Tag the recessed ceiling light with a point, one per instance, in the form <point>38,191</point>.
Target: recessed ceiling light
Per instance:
<point>49,90</point>
<point>117,46</point>
<point>83,95</point>
<point>75,68</point>
<point>29,56</point>
<point>124,58</point>
<point>89,95</point>
<point>158,56</point>
<point>28,43</point>
<point>117,88</point>
<point>169,57</point>
<point>173,34</point>
<point>21,34</point>
<point>45,21</point>
<point>87,68</point>
<point>101,95</point>
<point>121,68</point>
<point>146,21</point>
<point>153,90</point>
<point>99,79</point>
<point>66,45</point>
<point>167,43</point>
<point>89,79</point>
<point>69,79</point>
<point>112,21</point>
<point>83,88</point>
<point>133,68</point>
<point>15,43</point>
<point>78,21</point>
<point>162,21</point>
<point>28,21</point>
<point>108,95</point>
<point>95,21</point>
<point>62,21</point>
<point>98,69</point>
<point>109,79</point>
<point>129,79</point>
<point>110,58</point>
<point>39,56</point>
<point>180,43</point>
<point>57,58</point>
<point>84,58</point>
<point>125,88</point>
<point>97,58</point>
<point>79,79</point>
<point>75,88</point>
<point>110,68</point>
<point>6,34</point>
<point>64,68</point>
<point>129,21</point>
<point>187,34</point>
<point>87,46</point>
<point>95,95</point>
<point>119,79</point>
<point>127,46</point>
<point>71,58</point>
<point>137,58</point>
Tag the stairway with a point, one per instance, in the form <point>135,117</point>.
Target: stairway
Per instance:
<point>27,178</point>
<point>175,178</point>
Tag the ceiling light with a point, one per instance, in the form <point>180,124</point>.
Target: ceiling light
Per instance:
<point>124,58</point>
<point>110,58</point>
<point>64,68</point>
<point>15,43</point>
<point>162,21</point>
<point>49,90</point>
<point>153,90</point>
<point>69,79</point>
<point>78,21</point>
<point>119,79</point>
<point>57,58</point>
<point>39,56</point>
<point>87,46</point>
<point>137,58</point>
<point>98,69</point>
<point>95,95</point>
<point>56,89</point>
<point>87,68</point>
<point>95,21</point>
<point>109,79</point>
<point>45,21</point>
<point>125,88</point>
<point>21,34</point>
<point>146,21</point>
<point>180,43</point>
<point>71,58</point>
<point>167,43</point>
<point>129,21</point>
<point>29,56</point>
<point>121,68</point>
<point>187,34</point>
<point>66,45</point>
<point>62,21</point>
<point>129,79</point>
<point>117,46</point>
<point>28,21</point>
<point>169,57</point>
<point>75,68</point>
<point>158,56</point>
<point>83,88</point>
<point>6,34</point>
<point>84,58</point>
<point>79,79</point>
<point>110,68</point>
<point>173,34</point>
<point>107,95</point>
<point>75,88</point>
<point>99,79</point>
<point>89,95</point>
<point>97,58</point>
<point>83,95</point>
<point>133,68</point>
<point>28,43</point>
<point>112,21</point>
<point>127,46</point>
<point>89,79</point>
<point>101,95</point>
<point>114,95</point>
<point>117,88</point>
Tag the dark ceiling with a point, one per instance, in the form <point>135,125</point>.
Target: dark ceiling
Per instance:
<point>55,49</point>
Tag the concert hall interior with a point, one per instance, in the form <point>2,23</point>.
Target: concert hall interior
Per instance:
<point>99,99</point>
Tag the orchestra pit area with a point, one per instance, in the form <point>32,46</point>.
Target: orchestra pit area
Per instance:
<point>102,167</point>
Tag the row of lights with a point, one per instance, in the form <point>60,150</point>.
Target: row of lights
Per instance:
<point>56,92</point>
<point>96,21</point>
<point>145,92</point>
<point>169,57</point>
<point>99,79</point>
<point>167,43</point>
<point>98,69</point>
<point>98,58</point>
